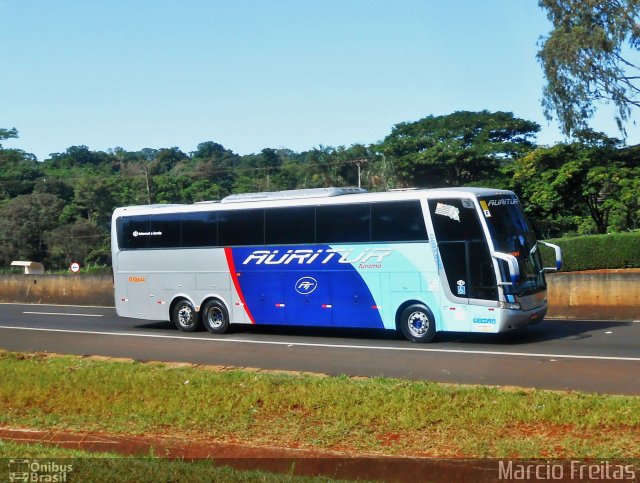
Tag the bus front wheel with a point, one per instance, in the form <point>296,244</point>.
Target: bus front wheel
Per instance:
<point>184,316</point>
<point>215,317</point>
<point>417,323</point>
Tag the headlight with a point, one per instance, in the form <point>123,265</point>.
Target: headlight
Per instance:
<point>509,305</point>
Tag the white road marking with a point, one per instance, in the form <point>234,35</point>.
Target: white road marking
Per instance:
<point>61,305</point>
<point>333,346</point>
<point>61,313</point>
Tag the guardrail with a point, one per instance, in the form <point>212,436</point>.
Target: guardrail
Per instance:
<point>595,295</point>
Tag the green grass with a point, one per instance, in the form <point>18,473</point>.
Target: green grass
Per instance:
<point>105,467</point>
<point>357,416</point>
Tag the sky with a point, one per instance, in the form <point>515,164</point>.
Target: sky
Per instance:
<point>252,74</point>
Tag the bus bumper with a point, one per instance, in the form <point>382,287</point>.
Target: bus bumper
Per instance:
<point>516,319</point>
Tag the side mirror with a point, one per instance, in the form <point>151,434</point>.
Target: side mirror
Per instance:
<point>512,261</point>
<point>558,257</point>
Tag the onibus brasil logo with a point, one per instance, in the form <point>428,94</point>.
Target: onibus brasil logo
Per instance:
<point>38,471</point>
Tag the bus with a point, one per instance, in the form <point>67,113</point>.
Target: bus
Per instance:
<point>419,261</point>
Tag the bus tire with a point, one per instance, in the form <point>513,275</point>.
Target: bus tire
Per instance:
<point>215,317</point>
<point>184,316</point>
<point>417,323</point>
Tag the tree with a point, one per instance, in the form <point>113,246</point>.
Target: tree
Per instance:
<point>54,186</point>
<point>579,187</point>
<point>128,190</point>
<point>351,162</point>
<point>257,172</point>
<point>25,220</point>
<point>203,190</point>
<point>81,242</point>
<point>216,164</point>
<point>8,134</point>
<point>18,170</point>
<point>627,216</point>
<point>585,62</point>
<point>82,157</point>
<point>320,168</point>
<point>208,150</point>
<point>269,162</point>
<point>169,188</point>
<point>166,160</point>
<point>18,173</point>
<point>94,201</point>
<point>457,149</point>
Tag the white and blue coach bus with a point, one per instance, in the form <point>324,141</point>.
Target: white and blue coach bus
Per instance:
<point>418,261</point>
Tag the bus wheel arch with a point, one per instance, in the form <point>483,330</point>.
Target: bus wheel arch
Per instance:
<point>416,321</point>
<point>184,315</point>
<point>214,316</point>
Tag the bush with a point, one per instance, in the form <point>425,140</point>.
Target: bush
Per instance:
<point>596,252</point>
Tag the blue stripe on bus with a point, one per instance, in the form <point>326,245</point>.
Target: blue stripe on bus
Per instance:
<point>304,285</point>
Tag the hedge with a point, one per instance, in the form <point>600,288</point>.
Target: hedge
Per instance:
<point>596,252</point>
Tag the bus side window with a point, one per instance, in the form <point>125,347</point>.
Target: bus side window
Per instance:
<point>240,227</point>
<point>289,226</point>
<point>397,221</point>
<point>199,229</point>
<point>164,231</point>
<point>129,229</point>
<point>343,223</point>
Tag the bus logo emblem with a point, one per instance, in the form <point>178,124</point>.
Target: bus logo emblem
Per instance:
<point>306,285</point>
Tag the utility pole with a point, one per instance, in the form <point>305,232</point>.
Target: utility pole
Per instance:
<point>359,162</point>
<point>146,176</point>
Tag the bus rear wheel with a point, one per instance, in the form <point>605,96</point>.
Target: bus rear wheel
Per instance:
<point>417,323</point>
<point>184,316</point>
<point>215,317</point>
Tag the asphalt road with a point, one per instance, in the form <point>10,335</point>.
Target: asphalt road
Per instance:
<point>592,356</point>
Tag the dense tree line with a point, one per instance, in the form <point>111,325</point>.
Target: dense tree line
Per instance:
<point>59,209</point>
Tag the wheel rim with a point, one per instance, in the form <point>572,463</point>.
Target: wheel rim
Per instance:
<point>185,316</point>
<point>215,317</point>
<point>418,324</point>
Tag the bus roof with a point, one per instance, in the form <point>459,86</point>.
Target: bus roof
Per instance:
<point>315,196</point>
<point>293,194</point>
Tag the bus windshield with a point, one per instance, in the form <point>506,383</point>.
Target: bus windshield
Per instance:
<point>512,234</point>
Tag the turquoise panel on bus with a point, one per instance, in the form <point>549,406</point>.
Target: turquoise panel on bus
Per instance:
<point>323,285</point>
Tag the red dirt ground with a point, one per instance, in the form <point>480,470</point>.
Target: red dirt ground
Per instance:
<point>276,460</point>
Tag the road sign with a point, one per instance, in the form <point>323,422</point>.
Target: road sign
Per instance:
<point>74,267</point>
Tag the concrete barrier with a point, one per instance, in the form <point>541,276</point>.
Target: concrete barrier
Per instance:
<point>596,295</point>
<point>58,289</point>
